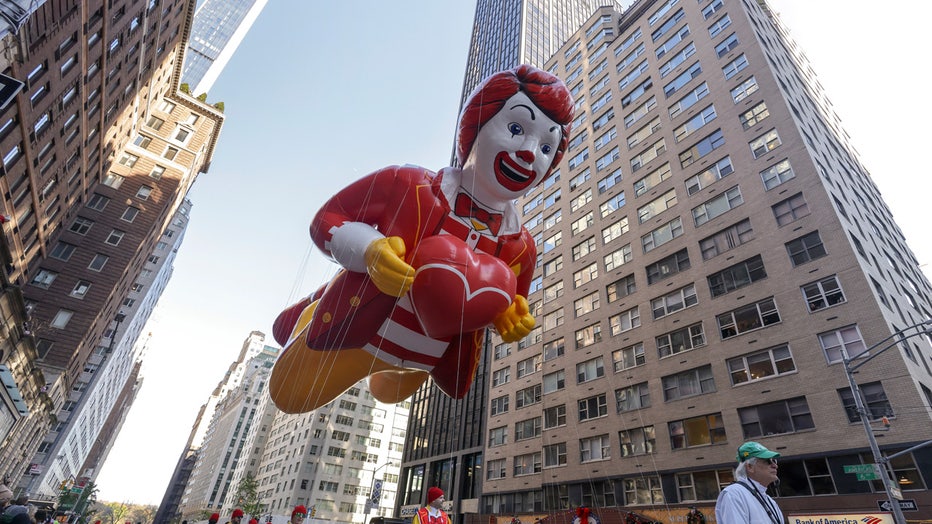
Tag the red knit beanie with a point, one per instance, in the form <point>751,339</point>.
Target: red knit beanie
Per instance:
<point>214,517</point>
<point>434,494</point>
<point>237,513</point>
<point>299,509</point>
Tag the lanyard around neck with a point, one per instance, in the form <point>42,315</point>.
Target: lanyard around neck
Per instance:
<point>771,511</point>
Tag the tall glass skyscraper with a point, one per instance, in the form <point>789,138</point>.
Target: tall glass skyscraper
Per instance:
<point>219,27</point>
<point>506,33</point>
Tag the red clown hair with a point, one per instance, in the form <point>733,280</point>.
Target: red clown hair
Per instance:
<point>548,93</point>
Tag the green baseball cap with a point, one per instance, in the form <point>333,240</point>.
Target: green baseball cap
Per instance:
<point>753,449</point>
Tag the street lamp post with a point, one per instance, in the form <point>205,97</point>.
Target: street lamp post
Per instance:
<point>922,328</point>
<point>375,494</point>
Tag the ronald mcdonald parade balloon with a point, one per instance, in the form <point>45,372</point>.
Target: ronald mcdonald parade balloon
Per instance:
<point>429,260</point>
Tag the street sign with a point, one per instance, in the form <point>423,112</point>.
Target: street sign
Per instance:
<point>868,476</point>
<point>905,505</point>
<point>859,468</point>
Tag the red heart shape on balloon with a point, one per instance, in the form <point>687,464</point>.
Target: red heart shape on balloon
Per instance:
<point>457,290</point>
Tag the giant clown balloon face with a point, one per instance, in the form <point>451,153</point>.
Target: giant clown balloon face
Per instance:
<point>513,151</point>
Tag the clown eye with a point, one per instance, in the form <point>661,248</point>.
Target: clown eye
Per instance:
<point>515,129</point>
<point>545,149</point>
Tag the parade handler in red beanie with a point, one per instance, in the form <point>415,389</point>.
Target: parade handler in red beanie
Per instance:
<point>431,513</point>
<point>298,514</point>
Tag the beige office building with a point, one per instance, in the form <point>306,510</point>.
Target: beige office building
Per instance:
<point>710,250</point>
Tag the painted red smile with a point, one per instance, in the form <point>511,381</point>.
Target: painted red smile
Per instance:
<point>510,175</point>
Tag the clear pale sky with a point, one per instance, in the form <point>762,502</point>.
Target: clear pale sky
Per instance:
<point>321,93</point>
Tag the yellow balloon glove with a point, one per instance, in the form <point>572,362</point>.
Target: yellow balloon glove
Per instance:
<point>387,268</point>
<point>516,322</point>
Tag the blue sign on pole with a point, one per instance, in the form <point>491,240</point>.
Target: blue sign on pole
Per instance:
<point>376,492</point>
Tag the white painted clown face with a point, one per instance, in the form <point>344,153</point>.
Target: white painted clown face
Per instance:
<point>512,152</point>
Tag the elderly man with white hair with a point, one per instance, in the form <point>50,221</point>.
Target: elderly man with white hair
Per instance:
<point>746,500</point>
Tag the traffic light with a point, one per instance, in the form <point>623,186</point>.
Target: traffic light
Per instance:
<point>885,421</point>
<point>313,510</point>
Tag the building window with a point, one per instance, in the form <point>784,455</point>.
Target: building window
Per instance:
<point>554,416</point>
<point>583,248</point>
<point>765,143</point>
<point>652,179</point>
<point>555,455</point>
<point>81,225</point>
<point>61,319</point>
<point>620,288</point>
<point>588,335</point>
<point>496,469</point>
<point>625,321</point>
<point>761,364</point>
<point>590,370</point>
<point>586,274</point>
<point>672,302</point>
<point>790,209</point>
<point>753,116</point>
<point>552,320</point>
<point>553,349</point>
<point>155,122</point>
<point>703,430</point>
<point>620,227</point>
<point>612,204</point>
<point>527,464</point>
<point>526,429</point>
<point>842,343</point>
<point>694,124</point>
<point>44,278</point>
<point>668,266</point>
<point>157,172</point>
<point>717,206</point>
<point>115,237</point>
<point>680,340</point>
<point>98,262</point>
<point>554,381</point>
<point>726,239</point>
<point>823,293</point>
<point>594,448</point>
<point>775,418</point>
<point>702,485</point>
<point>182,135</point>
<point>735,66</point>
<point>130,214</point>
<point>80,289</point>
<point>688,383</point>
<point>501,376</point>
<point>128,160</point>
<point>62,251</point>
<point>499,405</point>
<point>97,202</point>
<point>657,206</point>
<point>748,318</point>
<point>632,398</point>
<point>498,436</point>
<point>643,490</point>
<point>702,148</point>
<point>553,292</point>
<point>744,90</point>
<point>689,99</point>
<point>628,357</point>
<point>875,401</point>
<point>618,258</point>
<point>662,235</point>
<point>581,224</point>
<point>719,26</point>
<point>527,396</point>
<point>737,276</point>
<point>144,192</point>
<point>805,248</point>
<point>638,441</point>
<point>777,174</point>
